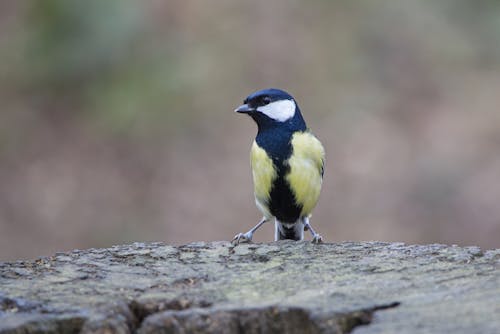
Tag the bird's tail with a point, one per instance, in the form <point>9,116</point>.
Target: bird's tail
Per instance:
<point>294,231</point>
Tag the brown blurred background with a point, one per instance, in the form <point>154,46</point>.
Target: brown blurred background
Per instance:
<point>117,123</point>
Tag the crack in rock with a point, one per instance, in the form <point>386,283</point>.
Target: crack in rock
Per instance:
<point>143,309</point>
<point>362,317</point>
<point>272,319</point>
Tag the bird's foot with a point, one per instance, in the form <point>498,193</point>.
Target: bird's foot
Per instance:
<point>247,237</point>
<point>242,238</point>
<point>317,239</point>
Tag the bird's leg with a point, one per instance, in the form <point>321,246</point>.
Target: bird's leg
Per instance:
<point>316,237</point>
<point>247,237</point>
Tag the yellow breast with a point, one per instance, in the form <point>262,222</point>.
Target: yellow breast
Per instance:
<point>263,173</point>
<point>306,166</point>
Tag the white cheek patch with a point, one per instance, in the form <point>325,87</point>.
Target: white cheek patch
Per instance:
<point>280,110</point>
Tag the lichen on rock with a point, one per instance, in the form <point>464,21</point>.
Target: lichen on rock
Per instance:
<point>289,287</point>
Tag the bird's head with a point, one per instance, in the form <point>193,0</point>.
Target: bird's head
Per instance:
<point>273,107</point>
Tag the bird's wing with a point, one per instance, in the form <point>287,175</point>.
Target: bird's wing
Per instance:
<point>306,170</point>
<point>264,173</point>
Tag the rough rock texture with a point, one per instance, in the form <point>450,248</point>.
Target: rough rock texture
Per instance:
<point>290,287</point>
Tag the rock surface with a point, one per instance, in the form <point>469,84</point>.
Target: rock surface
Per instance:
<point>289,287</point>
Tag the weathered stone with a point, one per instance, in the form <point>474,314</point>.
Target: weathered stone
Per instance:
<point>290,287</point>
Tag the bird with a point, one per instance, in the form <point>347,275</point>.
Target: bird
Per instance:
<point>287,163</point>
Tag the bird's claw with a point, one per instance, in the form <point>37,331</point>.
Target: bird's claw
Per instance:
<point>241,238</point>
<point>317,239</point>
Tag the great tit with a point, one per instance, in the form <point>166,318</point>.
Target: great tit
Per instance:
<point>287,165</point>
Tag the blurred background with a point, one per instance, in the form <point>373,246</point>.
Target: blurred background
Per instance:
<point>117,122</point>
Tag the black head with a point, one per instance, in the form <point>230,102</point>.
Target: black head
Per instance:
<point>273,107</point>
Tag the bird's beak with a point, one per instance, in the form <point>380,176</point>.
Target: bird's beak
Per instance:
<point>244,109</point>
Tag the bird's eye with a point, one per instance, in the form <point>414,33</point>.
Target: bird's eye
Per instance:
<point>266,100</point>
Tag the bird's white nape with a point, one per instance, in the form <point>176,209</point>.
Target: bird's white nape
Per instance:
<point>280,111</point>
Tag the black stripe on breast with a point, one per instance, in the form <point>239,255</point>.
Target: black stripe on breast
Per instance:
<point>282,201</point>
<point>277,144</point>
